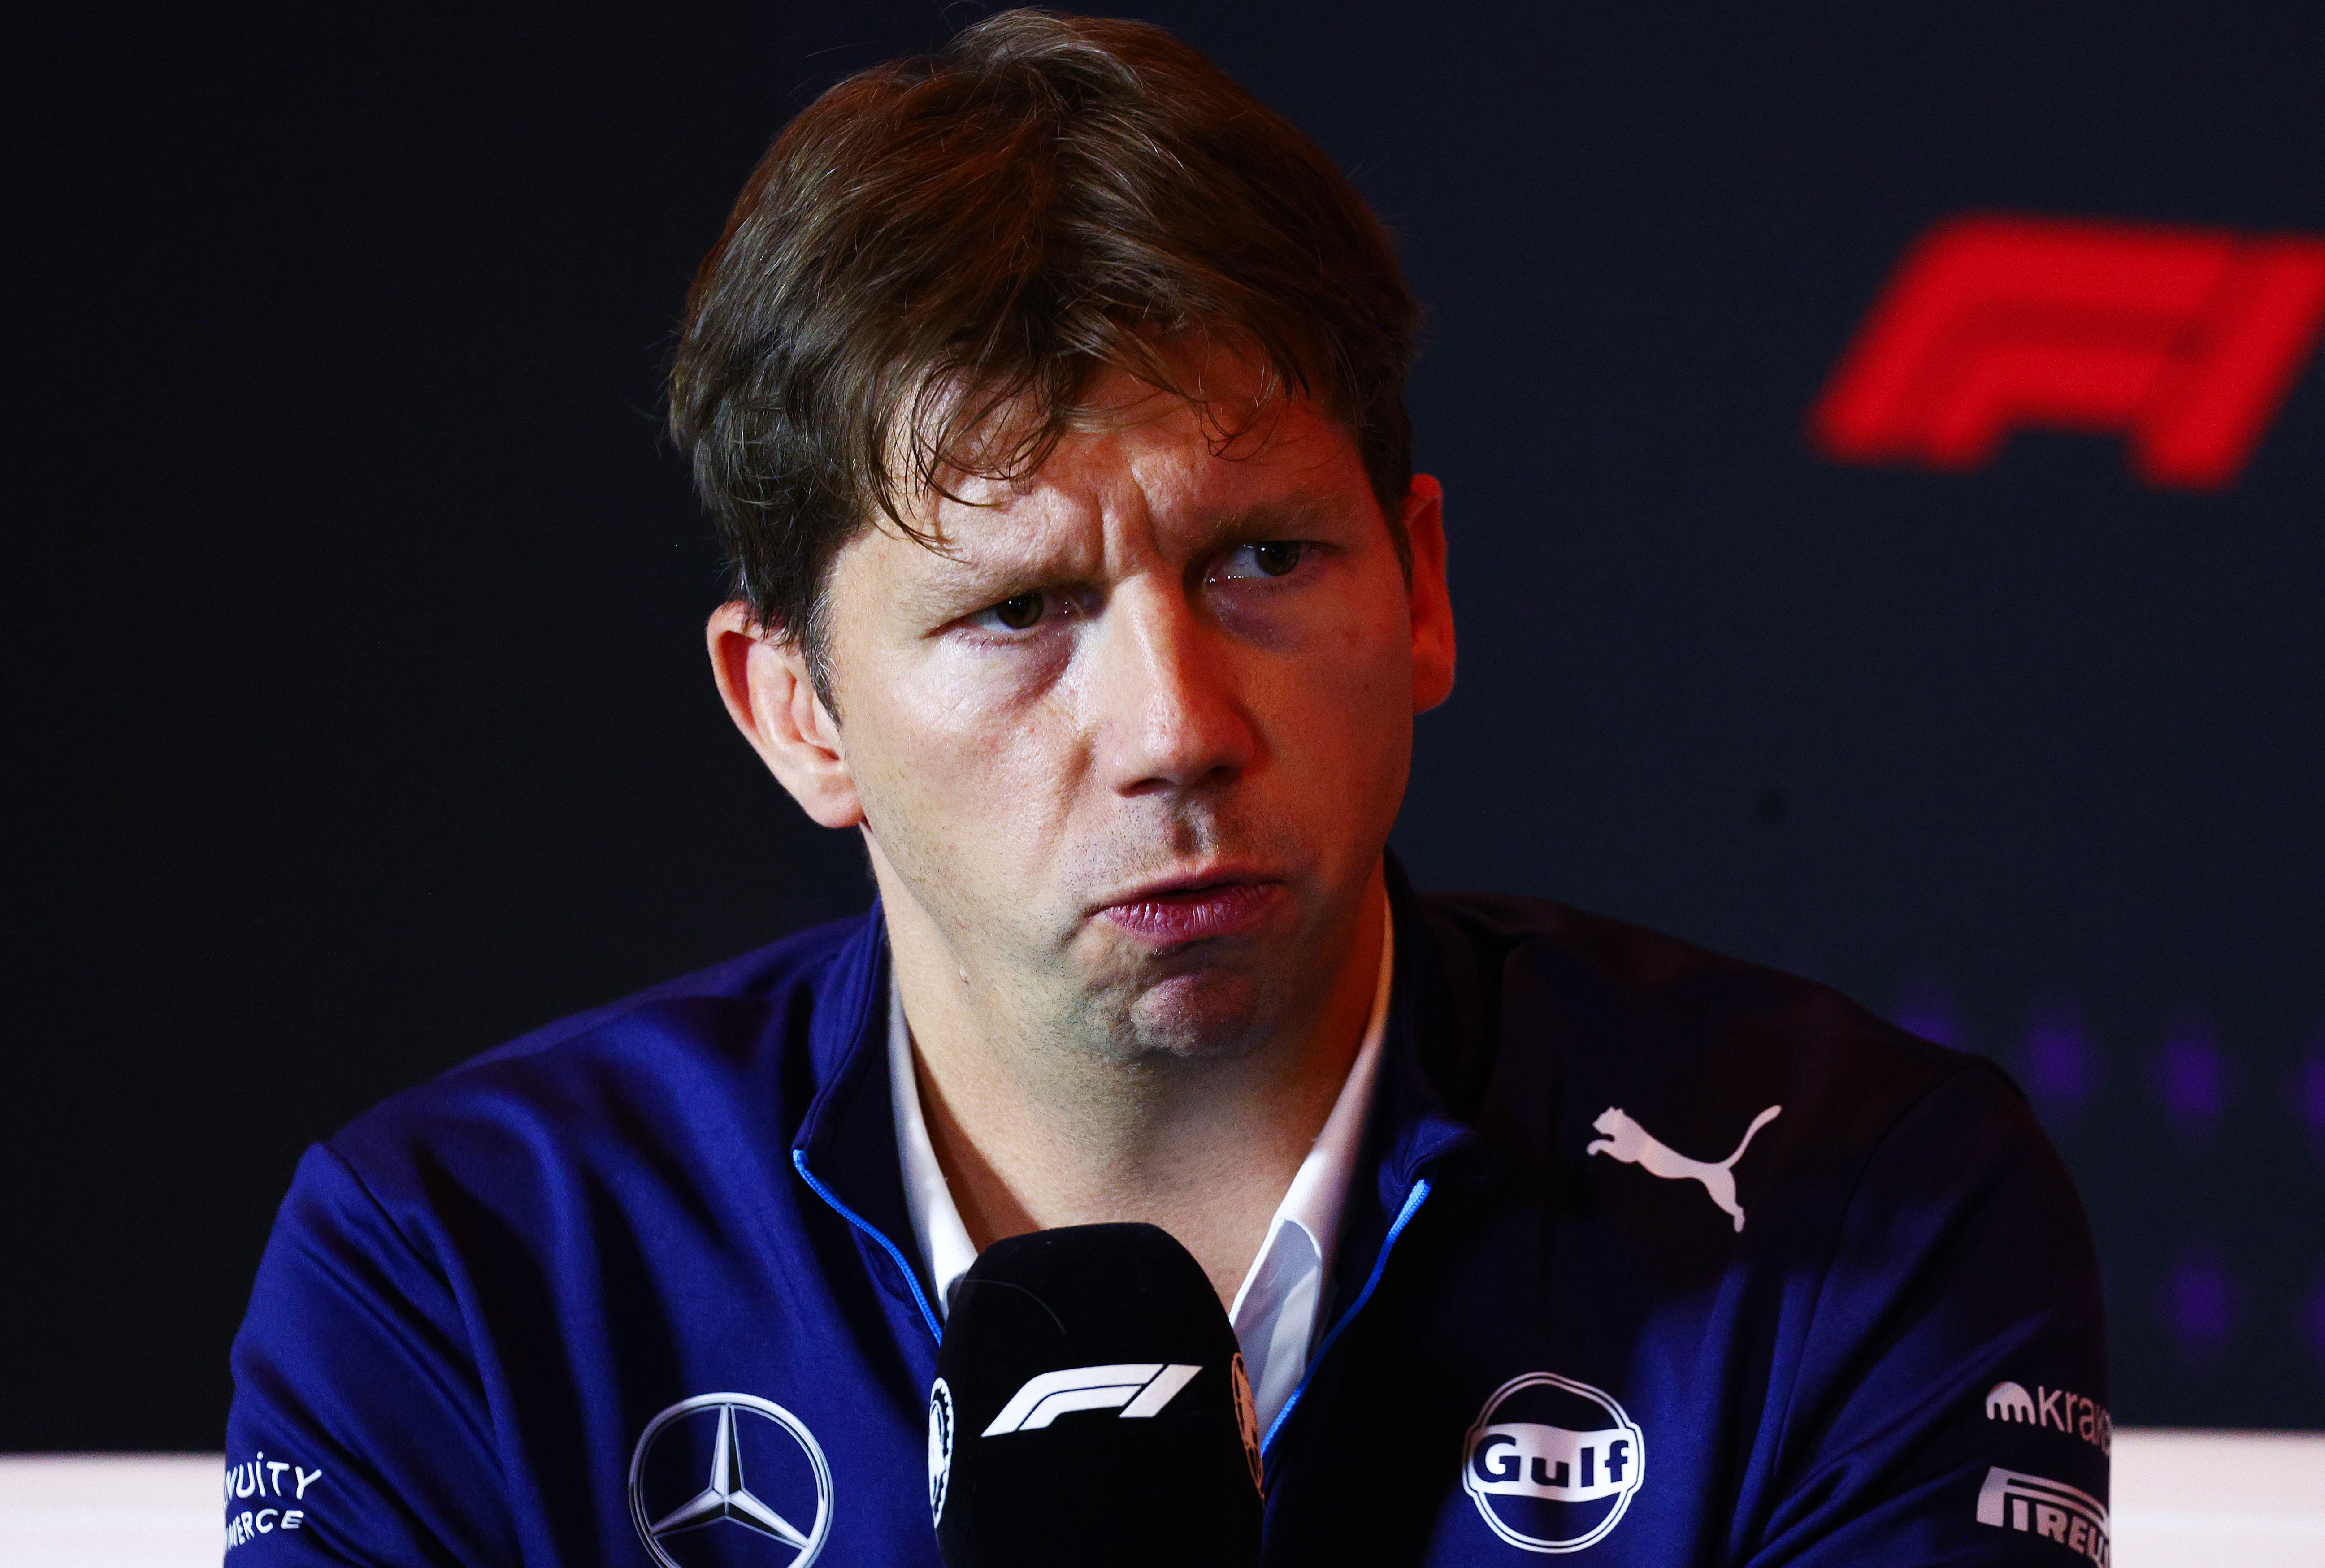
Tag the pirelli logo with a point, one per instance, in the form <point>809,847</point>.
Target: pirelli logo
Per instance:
<point>2051,1510</point>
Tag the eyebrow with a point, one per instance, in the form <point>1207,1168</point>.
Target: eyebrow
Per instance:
<point>1298,511</point>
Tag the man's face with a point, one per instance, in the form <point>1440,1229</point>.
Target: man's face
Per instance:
<point>1130,747</point>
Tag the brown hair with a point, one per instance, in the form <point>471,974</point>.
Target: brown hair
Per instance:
<point>946,245</point>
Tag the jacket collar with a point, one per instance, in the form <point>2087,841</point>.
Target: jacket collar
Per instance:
<point>845,1146</point>
<point>1437,1061</point>
<point>1432,1078</point>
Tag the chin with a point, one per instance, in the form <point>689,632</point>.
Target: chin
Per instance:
<point>1202,1015</point>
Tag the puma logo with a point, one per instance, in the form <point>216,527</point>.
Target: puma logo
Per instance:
<point>1633,1144</point>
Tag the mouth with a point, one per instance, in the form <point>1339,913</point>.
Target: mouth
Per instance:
<point>1177,910</point>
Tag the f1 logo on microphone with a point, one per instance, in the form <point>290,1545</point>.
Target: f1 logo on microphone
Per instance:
<point>2185,340</point>
<point>1137,1389</point>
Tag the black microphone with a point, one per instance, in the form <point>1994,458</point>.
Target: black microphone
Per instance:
<point>1090,1411</point>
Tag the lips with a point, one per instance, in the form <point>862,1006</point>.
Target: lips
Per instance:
<point>1185,910</point>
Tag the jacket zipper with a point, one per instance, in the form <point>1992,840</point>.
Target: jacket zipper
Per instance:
<point>1413,1200</point>
<point>912,1280</point>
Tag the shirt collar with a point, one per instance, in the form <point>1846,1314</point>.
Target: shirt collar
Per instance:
<point>1282,1291</point>
<point>1319,1188</point>
<point>946,1249</point>
<point>1308,1218</point>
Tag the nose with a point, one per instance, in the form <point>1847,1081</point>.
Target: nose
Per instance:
<point>1168,715</point>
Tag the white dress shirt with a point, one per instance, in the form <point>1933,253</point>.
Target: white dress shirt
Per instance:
<point>1275,1311</point>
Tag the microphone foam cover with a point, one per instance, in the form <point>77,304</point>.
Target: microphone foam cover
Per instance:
<point>1090,1408</point>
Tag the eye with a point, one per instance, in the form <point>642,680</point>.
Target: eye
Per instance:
<point>1021,613</point>
<point>1274,557</point>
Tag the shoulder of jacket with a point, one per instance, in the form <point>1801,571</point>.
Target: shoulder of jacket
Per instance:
<point>1600,985</point>
<point>678,1043</point>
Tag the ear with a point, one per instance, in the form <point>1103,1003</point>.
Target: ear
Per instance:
<point>763,678</point>
<point>1430,604</point>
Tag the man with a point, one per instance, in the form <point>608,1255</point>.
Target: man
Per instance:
<point>1048,393</point>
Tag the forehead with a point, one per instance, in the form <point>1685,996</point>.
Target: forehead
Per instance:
<point>1152,466</point>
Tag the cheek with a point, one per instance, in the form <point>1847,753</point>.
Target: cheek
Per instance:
<point>1349,740</point>
<point>951,763</point>
<point>1357,677</point>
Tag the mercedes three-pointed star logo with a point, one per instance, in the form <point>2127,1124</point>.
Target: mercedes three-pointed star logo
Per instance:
<point>728,1497</point>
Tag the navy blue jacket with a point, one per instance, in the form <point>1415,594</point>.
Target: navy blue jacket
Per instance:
<point>638,1289</point>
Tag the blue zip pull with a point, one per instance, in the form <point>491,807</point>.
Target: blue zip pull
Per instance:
<point>928,1313</point>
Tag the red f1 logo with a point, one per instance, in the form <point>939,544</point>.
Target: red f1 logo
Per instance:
<point>2186,339</point>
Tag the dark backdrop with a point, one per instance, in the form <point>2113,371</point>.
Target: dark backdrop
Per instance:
<point>360,721</point>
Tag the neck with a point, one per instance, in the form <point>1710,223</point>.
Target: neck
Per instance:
<point>1033,1137</point>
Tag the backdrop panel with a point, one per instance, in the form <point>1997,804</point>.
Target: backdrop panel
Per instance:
<point>361,718</point>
